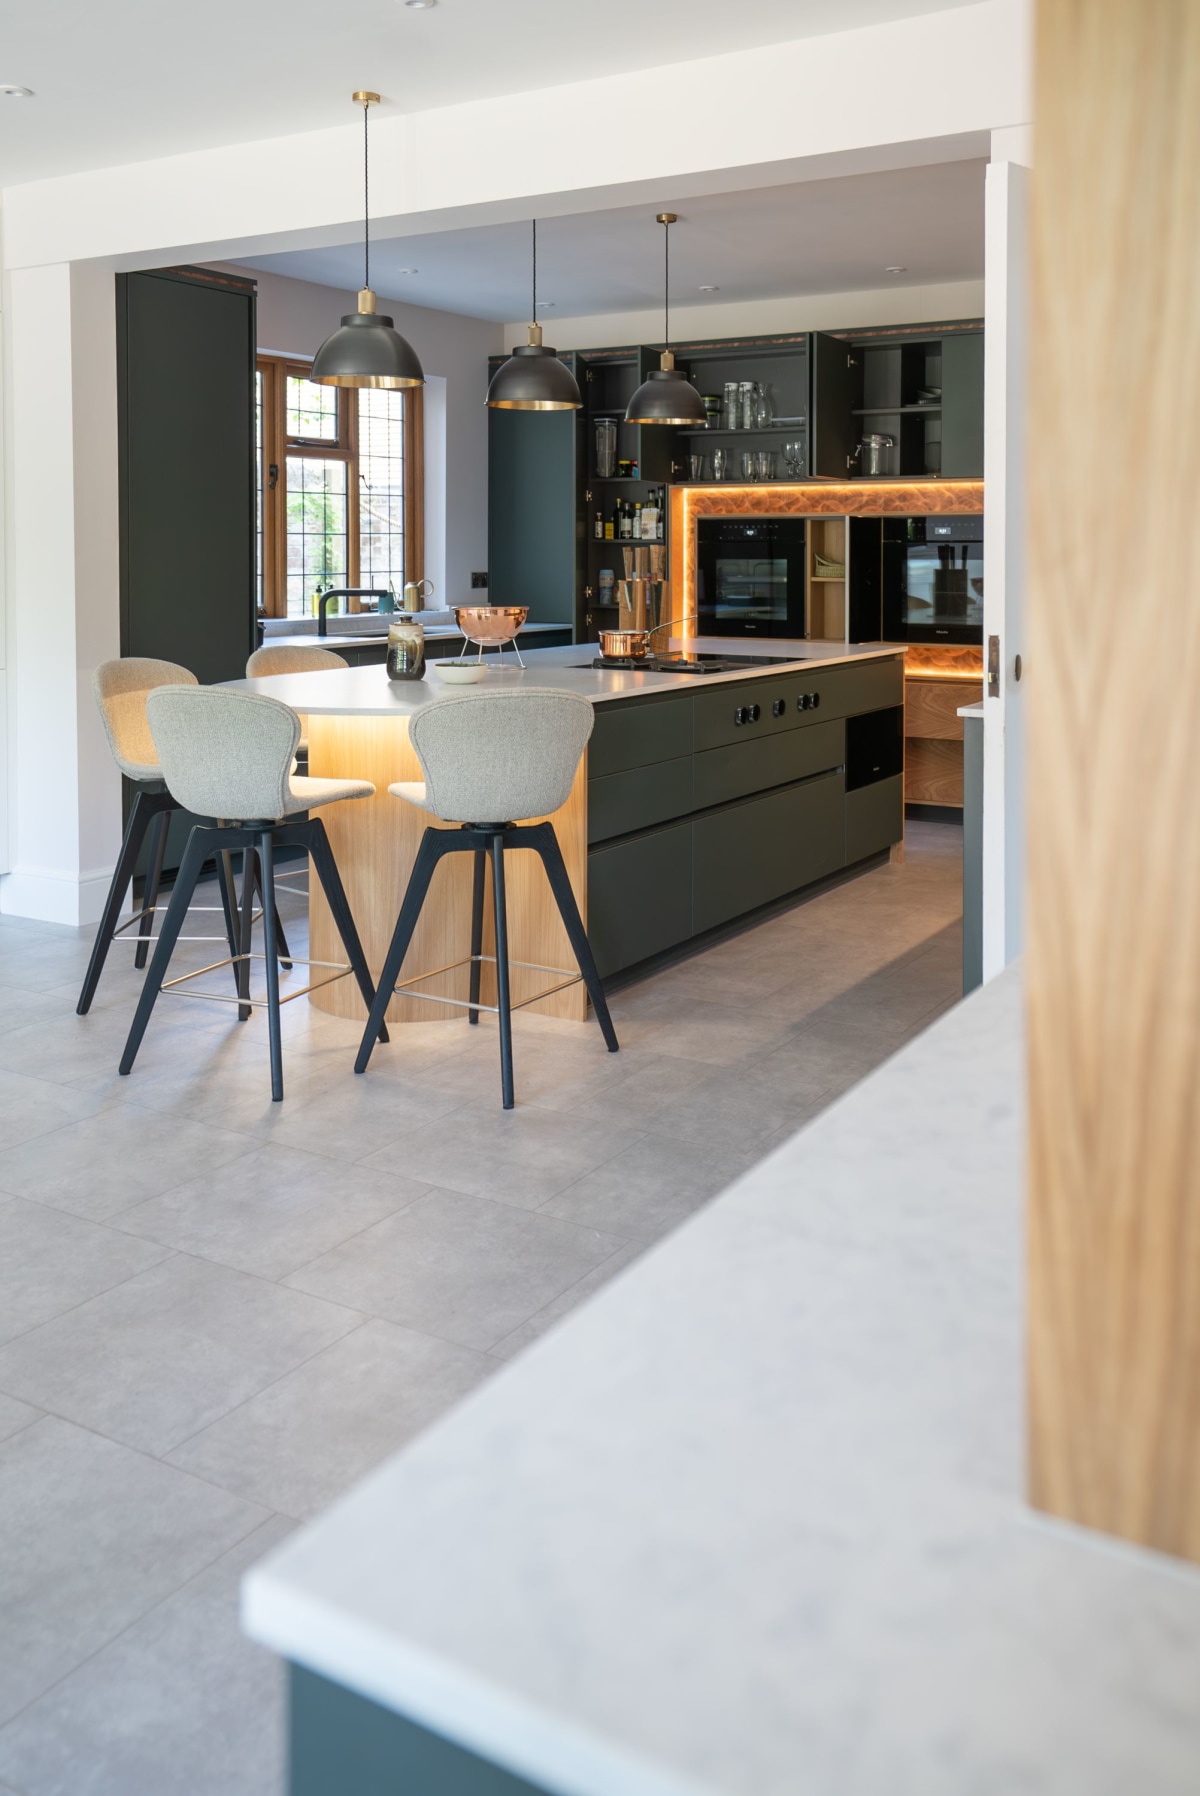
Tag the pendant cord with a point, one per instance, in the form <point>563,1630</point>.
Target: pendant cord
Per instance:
<point>366,200</point>
<point>666,286</point>
<point>533,314</point>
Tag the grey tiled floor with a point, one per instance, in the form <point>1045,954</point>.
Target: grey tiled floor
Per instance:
<point>216,1313</point>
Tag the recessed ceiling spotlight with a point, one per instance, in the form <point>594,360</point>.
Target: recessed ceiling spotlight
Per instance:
<point>16,93</point>
<point>896,268</point>
<point>710,289</point>
<point>545,305</point>
<point>408,271</point>
<point>420,5</point>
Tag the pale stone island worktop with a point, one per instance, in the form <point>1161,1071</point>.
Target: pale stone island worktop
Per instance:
<point>750,1521</point>
<point>367,691</point>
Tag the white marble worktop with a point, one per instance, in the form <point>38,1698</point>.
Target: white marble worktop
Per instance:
<point>367,691</point>
<point>750,1521</point>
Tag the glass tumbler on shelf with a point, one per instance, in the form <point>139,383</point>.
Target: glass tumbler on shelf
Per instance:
<point>749,465</point>
<point>720,464</point>
<point>606,447</point>
<point>765,464</point>
<point>731,411</point>
<point>696,467</point>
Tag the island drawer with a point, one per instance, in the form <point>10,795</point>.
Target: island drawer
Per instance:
<point>755,852</point>
<point>619,803</point>
<point>638,735</point>
<point>874,818</point>
<point>758,763</point>
<point>639,898</point>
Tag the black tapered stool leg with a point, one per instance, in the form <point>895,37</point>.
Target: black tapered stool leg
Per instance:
<point>543,839</point>
<point>428,856</point>
<point>321,855</point>
<point>281,945</point>
<point>270,955</point>
<point>194,856</point>
<point>250,887</point>
<point>154,869</point>
<point>477,931</point>
<point>503,997</point>
<point>145,807</point>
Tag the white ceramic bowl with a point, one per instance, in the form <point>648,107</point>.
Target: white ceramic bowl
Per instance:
<point>460,673</point>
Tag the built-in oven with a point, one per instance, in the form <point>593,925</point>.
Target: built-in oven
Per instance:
<point>932,579</point>
<point>750,576</point>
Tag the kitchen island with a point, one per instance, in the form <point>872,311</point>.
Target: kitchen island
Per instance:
<point>750,1521</point>
<point>702,799</point>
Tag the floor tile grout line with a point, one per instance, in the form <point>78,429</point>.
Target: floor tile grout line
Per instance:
<point>616,1253</point>
<point>267,1516</point>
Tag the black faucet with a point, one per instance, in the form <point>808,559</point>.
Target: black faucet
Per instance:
<point>343,592</point>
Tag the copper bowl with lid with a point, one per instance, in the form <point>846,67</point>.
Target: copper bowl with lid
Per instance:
<point>490,623</point>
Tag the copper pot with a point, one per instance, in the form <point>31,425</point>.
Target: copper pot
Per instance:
<point>625,645</point>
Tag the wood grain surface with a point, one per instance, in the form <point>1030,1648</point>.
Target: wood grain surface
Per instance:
<point>1114,790</point>
<point>933,772</point>
<point>931,706</point>
<point>375,842</point>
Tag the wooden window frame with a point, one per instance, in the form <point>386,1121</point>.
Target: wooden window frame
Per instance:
<point>277,446</point>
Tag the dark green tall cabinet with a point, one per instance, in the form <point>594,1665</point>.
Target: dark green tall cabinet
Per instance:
<point>533,534</point>
<point>186,443</point>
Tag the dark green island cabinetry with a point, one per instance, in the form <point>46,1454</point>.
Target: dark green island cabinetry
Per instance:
<point>705,806</point>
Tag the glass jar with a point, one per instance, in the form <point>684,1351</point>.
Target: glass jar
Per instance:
<point>406,648</point>
<point>606,447</point>
<point>746,403</point>
<point>732,411</point>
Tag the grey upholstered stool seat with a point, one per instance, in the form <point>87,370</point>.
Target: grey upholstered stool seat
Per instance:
<point>229,755</point>
<point>286,659</point>
<point>489,760</point>
<point>121,690</point>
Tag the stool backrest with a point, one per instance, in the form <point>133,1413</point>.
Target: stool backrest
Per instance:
<point>225,754</point>
<point>497,757</point>
<point>285,659</point>
<point>121,689</point>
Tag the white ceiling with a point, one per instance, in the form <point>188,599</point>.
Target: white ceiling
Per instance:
<point>809,237</point>
<point>127,80</point>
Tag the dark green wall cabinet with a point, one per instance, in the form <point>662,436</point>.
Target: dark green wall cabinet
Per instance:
<point>921,385</point>
<point>185,419</point>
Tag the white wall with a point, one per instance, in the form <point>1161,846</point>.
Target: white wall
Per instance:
<point>62,597</point>
<point>295,317</point>
<point>935,303</point>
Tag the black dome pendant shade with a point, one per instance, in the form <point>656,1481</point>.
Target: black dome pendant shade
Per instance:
<point>666,396</point>
<point>365,350</point>
<point>533,379</point>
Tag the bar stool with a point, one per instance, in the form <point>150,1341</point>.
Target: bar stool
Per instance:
<point>121,689</point>
<point>229,755</point>
<point>490,756</point>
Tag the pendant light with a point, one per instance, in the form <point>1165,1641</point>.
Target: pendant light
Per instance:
<point>365,351</point>
<point>666,396</point>
<point>533,379</point>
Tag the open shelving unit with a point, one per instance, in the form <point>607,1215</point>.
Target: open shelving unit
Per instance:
<point>826,615</point>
